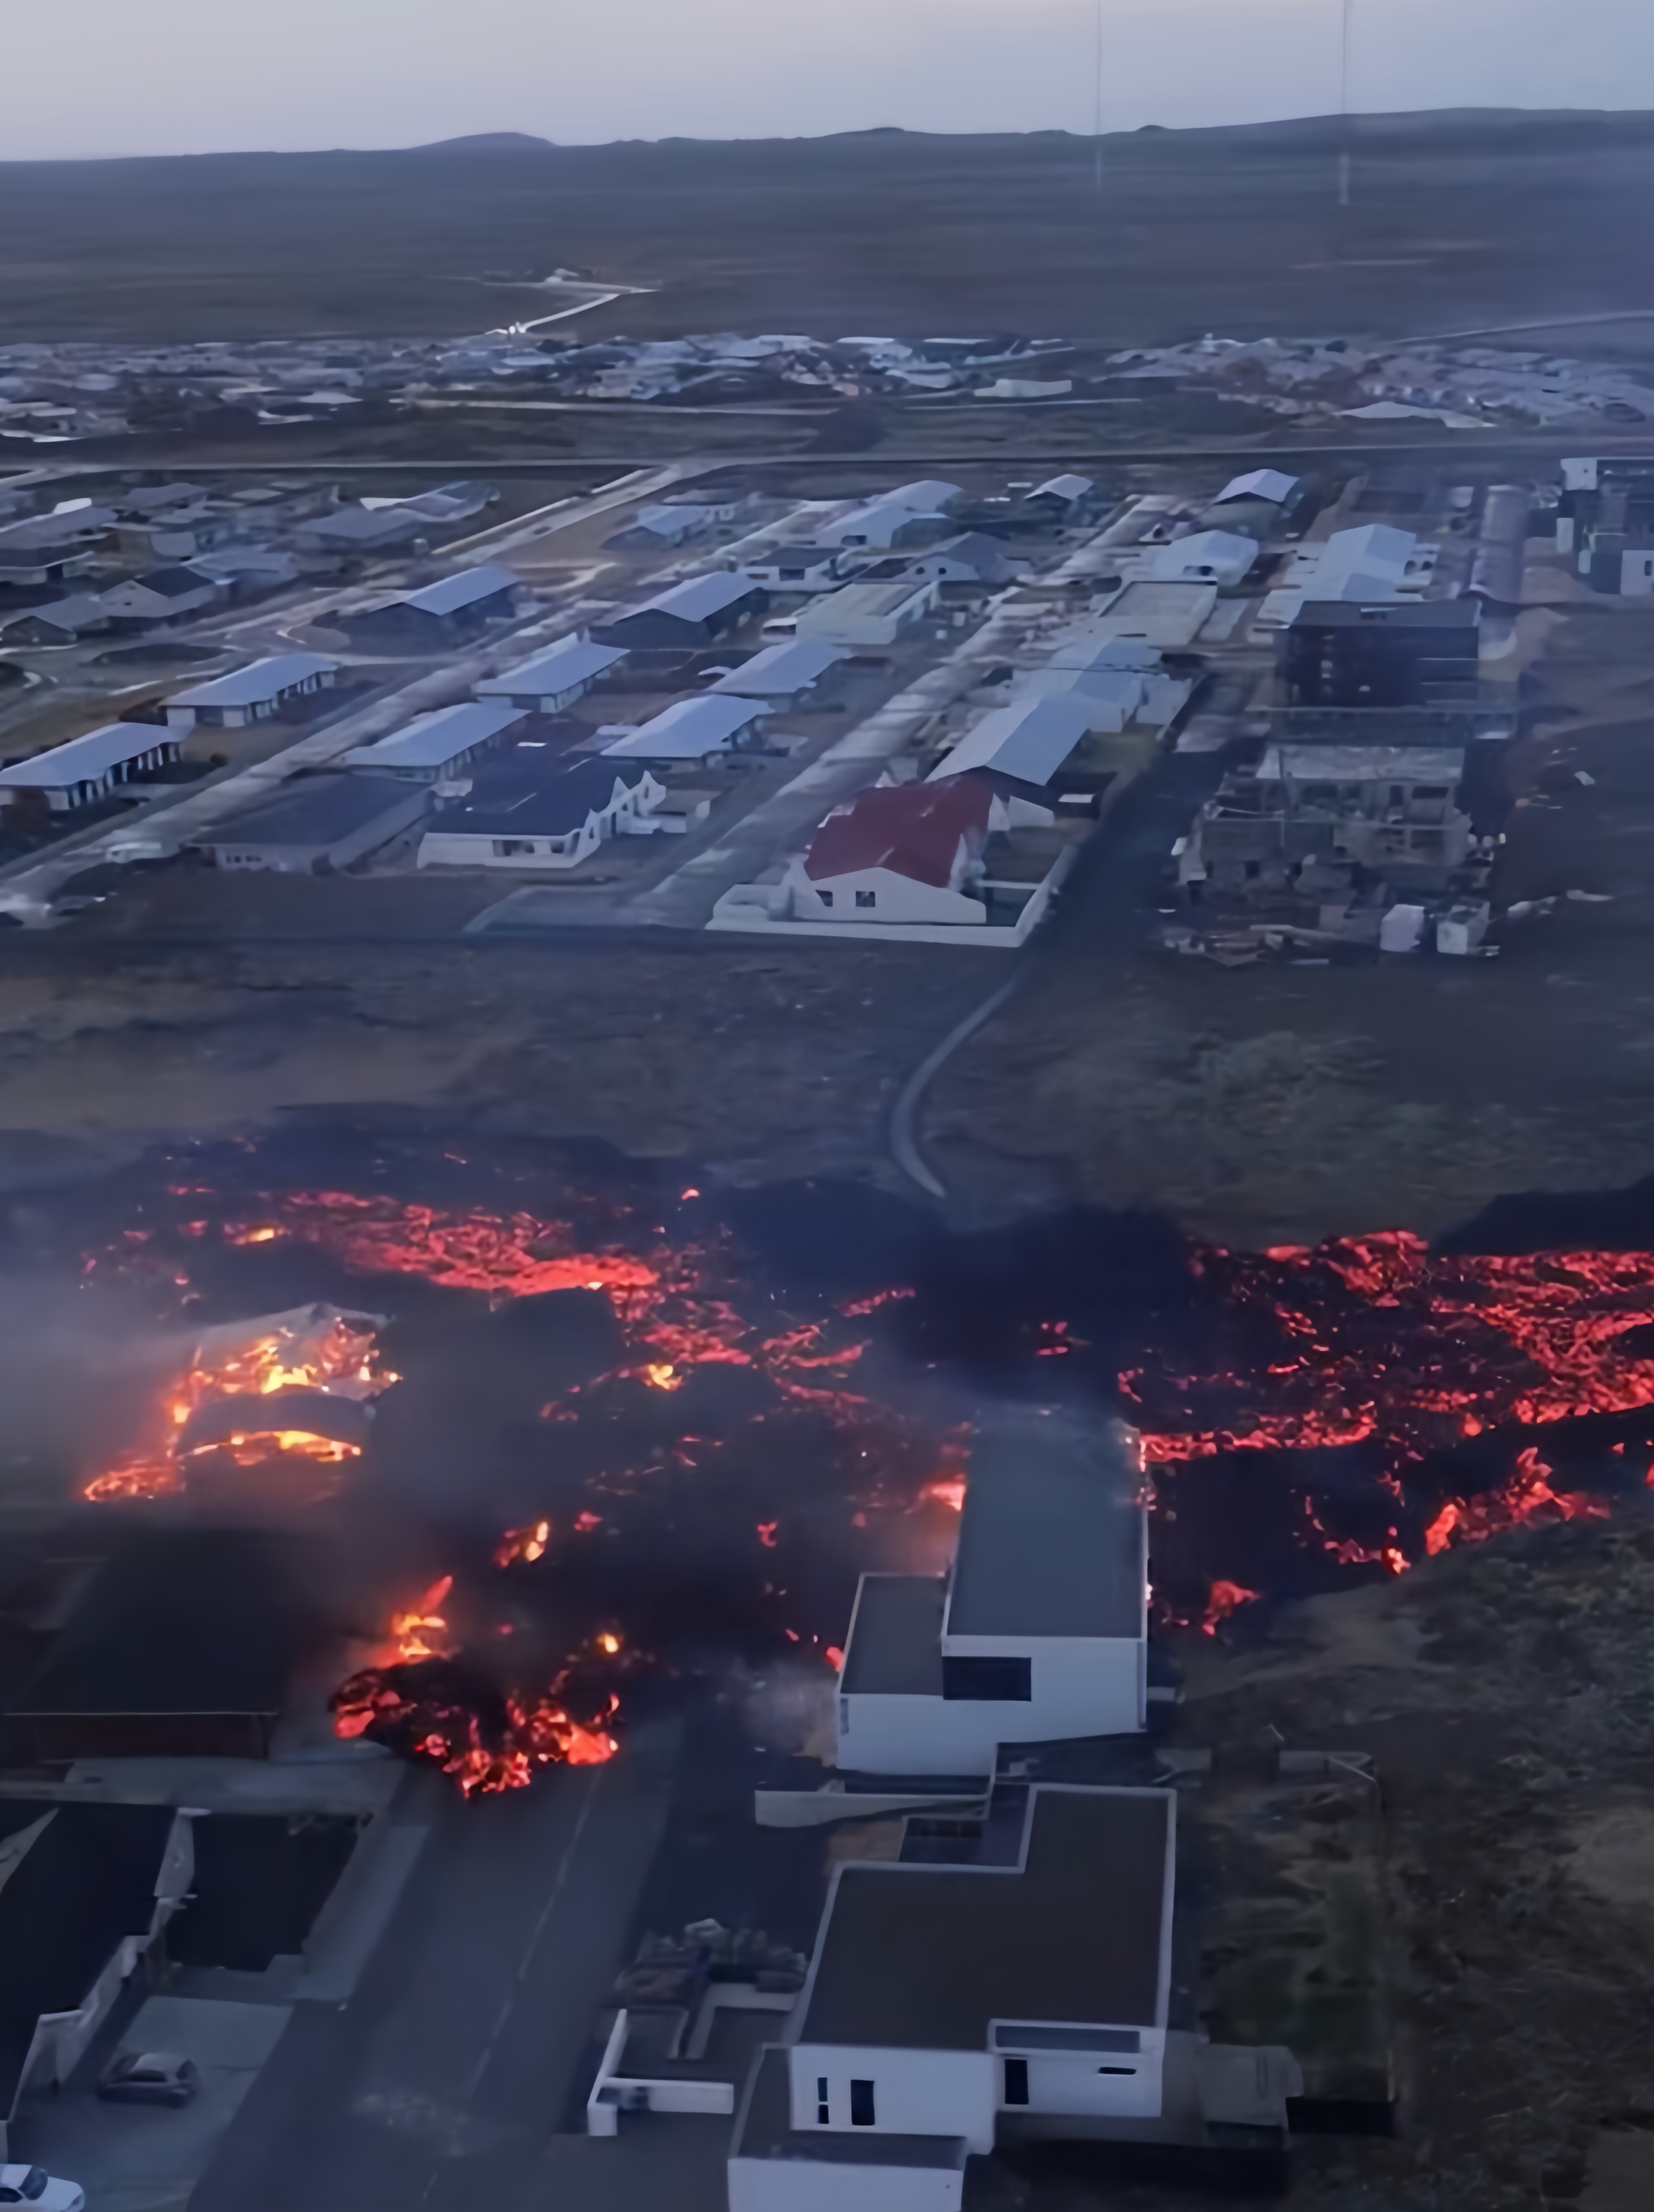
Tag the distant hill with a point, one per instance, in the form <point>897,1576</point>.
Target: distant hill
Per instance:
<point>489,142</point>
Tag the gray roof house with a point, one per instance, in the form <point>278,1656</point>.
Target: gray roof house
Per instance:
<point>452,607</point>
<point>87,768</point>
<point>252,694</point>
<point>315,824</point>
<point>689,614</point>
<point>545,823</point>
<point>553,679</point>
<point>437,746</point>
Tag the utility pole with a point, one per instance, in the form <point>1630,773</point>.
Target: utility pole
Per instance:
<point>1097,117</point>
<point>1344,109</point>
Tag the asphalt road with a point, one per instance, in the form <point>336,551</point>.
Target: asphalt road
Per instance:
<point>443,2083</point>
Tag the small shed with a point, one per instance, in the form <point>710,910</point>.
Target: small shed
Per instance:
<point>434,747</point>
<point>315,825</point>
<point>59,621</point>
<point>690,614</point>
<point>551,680</point>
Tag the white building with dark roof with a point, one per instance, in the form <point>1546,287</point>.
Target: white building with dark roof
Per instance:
<point>545,825</point>
<point>1038,1631</point>
<point>944,2002</point>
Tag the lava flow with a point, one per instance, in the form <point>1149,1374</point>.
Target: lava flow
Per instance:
<point>424,1698</point>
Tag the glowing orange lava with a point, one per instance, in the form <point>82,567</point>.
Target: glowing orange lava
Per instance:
<point>1526,1498</point>
<point>526,1544</point>
<point>1224,1599</point>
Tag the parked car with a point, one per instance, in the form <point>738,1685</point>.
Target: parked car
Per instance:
<point>47,2192</point>
<point>149,2077</point>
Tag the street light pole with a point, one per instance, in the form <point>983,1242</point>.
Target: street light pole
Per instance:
<point>1344,108</point>
<point>1097,117</point>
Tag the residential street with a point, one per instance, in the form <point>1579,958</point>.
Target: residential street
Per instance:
<point>444,2079</point>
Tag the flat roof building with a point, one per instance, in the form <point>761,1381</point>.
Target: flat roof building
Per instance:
<point>554,679</point>
<point>253,694</point>
<point>1397,653</point>
<point>1040,1632</point>
<point>434,746</point>
<point>316,825</point>
<point>944,2001</point>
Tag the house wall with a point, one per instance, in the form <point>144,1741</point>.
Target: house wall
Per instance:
<point>1070,2084</point>
<point>1636,574</point>
<point>915,2093</point>
<point>844,627</point>
<point>801,2184</point>
<point>1092,1686</point>
<point>887,897</point>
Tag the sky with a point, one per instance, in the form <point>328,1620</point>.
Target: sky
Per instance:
<point>105,77</point>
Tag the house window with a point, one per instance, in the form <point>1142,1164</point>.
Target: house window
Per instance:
<point>861,2105</point>
<point>1016,2081</point>
<point>510,848</point>
<point>823,2109</point>
<point>867,898</point>
<point>826,897</point>
<point>992,1681</point>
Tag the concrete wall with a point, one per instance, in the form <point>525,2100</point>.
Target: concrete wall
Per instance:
<point>797,2185</point>
<point>915,2093</point>
<point>1081,1686</point>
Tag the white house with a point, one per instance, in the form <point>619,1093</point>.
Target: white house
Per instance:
<point>1060,494</point>
<point>970,558</point>
<point>1272,485</point>
<point>911,512</point>
<point>1038,1632</point>
<point>545,826</point>
<point>868,614</point>
<point>692,729</point>
<point>554,679</point>
<point>947,2004</point>
<point>905,852</point>
<point>437,746</point>
<point>250,695</point>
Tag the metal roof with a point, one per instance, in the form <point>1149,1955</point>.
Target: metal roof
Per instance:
<point>927,496</point>
<point>450,593</point>
<point>1259,484</point>
<point>260,680</point>
<point>558,667</point>
<point>315,810</point>
<point>687,729</point>
<point>1030,741</point>
<point>695,599</point>
<point>927,1958</point>
<point>542,806</point>
<point>781,670</point>
<point>1068,487</point>
<point>87,759</point>
<point>866,601</point>
<point>434,740</point>
<point>1053,1537</point>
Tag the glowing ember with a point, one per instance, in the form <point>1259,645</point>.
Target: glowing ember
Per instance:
<point>487,1740</point>
<point>947,1490</point>
<point>1415,1349</point>
<point>661,1375</point>
<point>1225,1599</point>
<point>1526,1498</point>
<point>526,1544</point>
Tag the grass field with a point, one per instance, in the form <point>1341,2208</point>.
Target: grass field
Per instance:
<point>1457,220</point>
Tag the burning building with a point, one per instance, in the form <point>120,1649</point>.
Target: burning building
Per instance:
<point>1038,1631</point>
